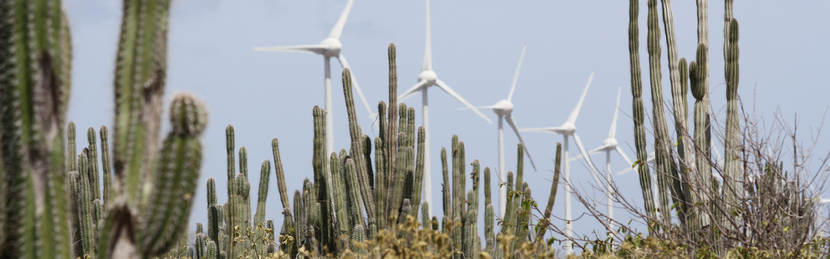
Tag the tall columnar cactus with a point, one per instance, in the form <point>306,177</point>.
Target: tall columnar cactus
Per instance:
<point>545,220</point>
<point>638,111</point>
<point>732,142</point>
<point>108,190</point>
<point>280,173</point>
<point>35,58</point>
<point>139,87</point>
<point>165,217</point>
<point>229,212</point>
<point>321,174</point>
<point>262,194</point>
<point>358,154</point>
<point>666,176</point>
<point>213,213</point>
<point>699,89</point>
<point>489,214</point>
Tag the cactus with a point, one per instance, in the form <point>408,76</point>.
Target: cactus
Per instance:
<point>93,172</point>
<point>489,214</point>
<point>139,86</point>
<point>638,111</point>
<point>732,140</point>
<point>34,92</point>
<point>262,194</point>
<point>165,218</point>
<point>108,190</point>
<point>545,220</point>
<point>358,154</point>
<point>666,176</point>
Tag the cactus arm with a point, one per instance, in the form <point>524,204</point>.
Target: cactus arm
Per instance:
<point>166,215</point>
<point>665,163</point>
<point>139,85</point>
<point>353,194</point>
<point>340,199</point>
<point>321,173</point>
<point>732,144</point>
<point>445,187</point>
<point>108,190</point>
<point>545,220</point>
<point>262,194</point>
<point>357,148</point>
<point>392,129</point>
<point>638,110</point>
<point>380,180</point>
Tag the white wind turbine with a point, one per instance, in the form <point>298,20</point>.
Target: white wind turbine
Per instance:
<point>610,145</point>
<point>568,129</point>
<point>504,111</point>
<point>328,48</point>
<point>427,79</point>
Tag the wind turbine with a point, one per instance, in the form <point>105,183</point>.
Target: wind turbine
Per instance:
<point>610,145</point>
<point>568,129</point>
<point>427,79</point>
<point>330,47</point>
<point>504,111</point>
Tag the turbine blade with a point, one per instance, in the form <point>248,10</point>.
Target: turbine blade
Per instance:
<point>316,49</point>
<point>417,87</point>
<point>591,166</point>
<point>625,157</point>
<point>516,74</point>
<point>345,64</point>
<point>341,22</point>
<point>479,107</point>
<point>541,130</point>
<point>455,95</point>
<point>612,133</point>
<point>512,124</point>
<point>575,112</point>
<point>629,169</point>
<point>428,45</point>
<point>594,151</point>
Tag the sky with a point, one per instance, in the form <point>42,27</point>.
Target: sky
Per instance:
<point>476,45</point>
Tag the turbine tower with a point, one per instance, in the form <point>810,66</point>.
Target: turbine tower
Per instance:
<point>610,145</point>
<point>504,111</point>
<point>427,79</point>
<point>329,48</point>
<point>568,129</point>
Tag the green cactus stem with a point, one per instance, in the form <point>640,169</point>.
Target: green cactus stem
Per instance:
<point>638,111</point>
<point>358,154</point>
<point>544,222</point>
<point>177,174</point>
<point>108,187</point>
<point>262,194</point>
<point>665,163</point>
<point>732,143</point>
<point>140,73</point>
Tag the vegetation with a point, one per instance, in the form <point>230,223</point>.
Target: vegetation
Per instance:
<point>364,201</point>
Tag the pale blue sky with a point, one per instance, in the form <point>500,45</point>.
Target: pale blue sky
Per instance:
<point>476,45</point>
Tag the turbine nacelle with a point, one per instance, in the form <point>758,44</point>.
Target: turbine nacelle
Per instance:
<point>609,143</point>
<point>567,128</point>
<point>331,47</point>
<point>428,76</point>
<point>503,107</point>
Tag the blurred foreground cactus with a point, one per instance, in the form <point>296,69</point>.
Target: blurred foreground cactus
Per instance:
<point>52,204</point>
